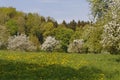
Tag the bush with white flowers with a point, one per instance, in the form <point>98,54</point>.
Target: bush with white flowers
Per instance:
<point>111,37</point>
<point>20,42</point>
<point>76,46</point>
<point>50,44</point>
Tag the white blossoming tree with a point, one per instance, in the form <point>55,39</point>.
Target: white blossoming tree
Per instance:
<point>111,33</point>
<point>111,36</point>
<point>76,46</point>
<point>20,42</point>
<point>50,44</point>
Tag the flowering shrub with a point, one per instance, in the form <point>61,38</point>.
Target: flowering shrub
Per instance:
<point>20,42</point>
<point>76,46</point>
<point>50,44</point>
<point>111,37</point>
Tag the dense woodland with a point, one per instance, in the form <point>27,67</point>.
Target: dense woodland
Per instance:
<point>38,27</point>
<point>34,32</point>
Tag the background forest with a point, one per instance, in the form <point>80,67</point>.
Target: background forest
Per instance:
<point>33,32</point>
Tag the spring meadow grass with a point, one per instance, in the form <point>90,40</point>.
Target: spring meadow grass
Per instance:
<point>58,66</point>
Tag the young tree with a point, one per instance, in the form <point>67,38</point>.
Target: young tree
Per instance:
<point>92,39</point>
<point>47,28</point>
<point>64,23</point>
<point>12,27</point>
<point>4,34</point>
<point>72,25</point>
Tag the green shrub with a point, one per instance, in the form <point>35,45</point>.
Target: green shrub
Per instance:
<point>63,34</point>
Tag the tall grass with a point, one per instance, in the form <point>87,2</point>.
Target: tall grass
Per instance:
<point>58,66</point>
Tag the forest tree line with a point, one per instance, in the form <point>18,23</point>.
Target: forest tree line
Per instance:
<point>45,33</point>
<point>37,27</point>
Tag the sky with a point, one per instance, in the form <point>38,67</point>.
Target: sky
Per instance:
<point>58,9</point>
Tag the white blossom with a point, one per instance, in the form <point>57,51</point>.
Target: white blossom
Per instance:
<point>114,7</point>
<point>20,42</point>
<point>50,44</point>
<point>76,46</point>
<point>111,35</point>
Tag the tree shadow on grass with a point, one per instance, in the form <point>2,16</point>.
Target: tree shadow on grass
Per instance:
<point>118,60</point>
<point>11,70</point>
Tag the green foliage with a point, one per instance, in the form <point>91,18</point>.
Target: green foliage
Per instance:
<point>4,35</point>
<point>20,21</point>
<point>33,21</point>
<point>47,28</point>
<point>93,43</point>
<point>3,18</point>
<point>72,25</point>
<point>77,34</point>
<point>12,27</point>
<point>33,26</point>
<point>92,37</point>
<point>85,36</point>
<point>35,41</point>
<point>99,8</point>
<point>6,14</point>
<point>63,34</point>
<point>11,12</point>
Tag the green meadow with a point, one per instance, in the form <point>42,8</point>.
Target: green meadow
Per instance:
<point>58,66</point>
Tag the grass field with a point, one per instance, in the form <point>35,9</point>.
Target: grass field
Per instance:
<point>58,66</point>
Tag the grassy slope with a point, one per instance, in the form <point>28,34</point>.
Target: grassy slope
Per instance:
<point>58,66</point>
